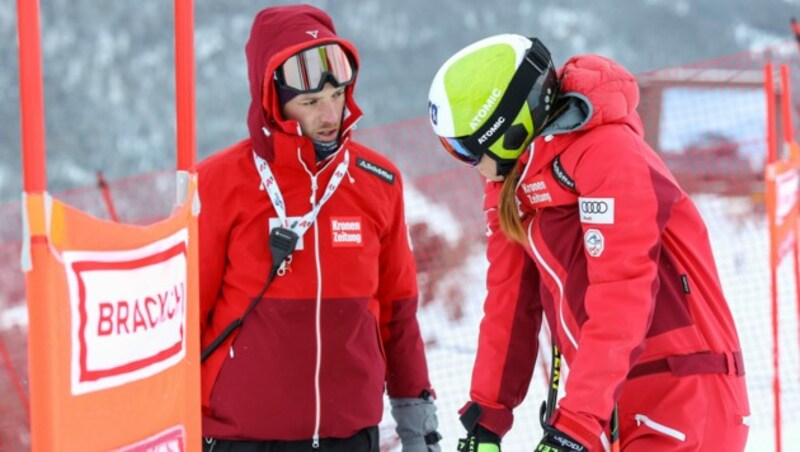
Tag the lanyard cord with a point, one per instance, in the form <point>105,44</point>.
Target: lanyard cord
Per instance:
<point>281,243</point>
<point>271,186</point>
<point>282,240</point>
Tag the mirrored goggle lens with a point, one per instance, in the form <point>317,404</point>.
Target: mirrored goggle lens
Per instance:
<point>459,151</point>
<point>308,70</point>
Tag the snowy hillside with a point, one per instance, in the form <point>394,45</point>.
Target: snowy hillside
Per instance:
<point>109,87</point>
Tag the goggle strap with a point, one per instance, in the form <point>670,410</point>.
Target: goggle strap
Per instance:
<point>520,86</point>
<point>540,56</point>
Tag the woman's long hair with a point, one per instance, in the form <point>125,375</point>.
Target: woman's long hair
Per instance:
<point>510,222</point>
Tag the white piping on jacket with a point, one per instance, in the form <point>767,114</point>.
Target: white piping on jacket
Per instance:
<point>604,440</point>
<point>318,328</point>
<point>318,309</point>
<point>527,165</point>
<point>522,178</point>
<point>661,428</point>
<point>558,283</point>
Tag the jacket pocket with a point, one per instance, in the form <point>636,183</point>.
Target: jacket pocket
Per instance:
<point>661,428</point>
<point>380,340</point>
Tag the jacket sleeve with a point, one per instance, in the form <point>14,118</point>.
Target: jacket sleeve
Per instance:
<point>622,248</point>
<point>407,370</point>
<point>213,245</point>
<point>508,339</point>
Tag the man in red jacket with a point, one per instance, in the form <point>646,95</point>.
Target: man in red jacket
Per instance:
<point>587,227</point>
<point>307,281</point>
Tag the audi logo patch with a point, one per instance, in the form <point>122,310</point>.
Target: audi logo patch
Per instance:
<point>596,210</point>
<point>590,207</point>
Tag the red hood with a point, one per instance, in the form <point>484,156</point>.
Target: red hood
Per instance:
<point>610,88</point>
<point>278,33</point>
<point>611,92</point>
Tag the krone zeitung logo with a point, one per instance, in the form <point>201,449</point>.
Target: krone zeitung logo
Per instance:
<point>128,312</point>
<point>346,232</point>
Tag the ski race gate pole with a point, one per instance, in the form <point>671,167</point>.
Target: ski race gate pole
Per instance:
<point>782,178</point>
<point>113,336</point>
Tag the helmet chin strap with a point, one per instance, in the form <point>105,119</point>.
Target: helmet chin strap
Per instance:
<point>504,167</point>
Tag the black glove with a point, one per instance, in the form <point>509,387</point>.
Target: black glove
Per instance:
<point>554,439</point>
<point>479,438</point>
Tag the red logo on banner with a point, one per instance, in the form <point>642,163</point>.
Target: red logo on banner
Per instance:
<point>128,312</point>
<point>171,440</point>
<point>782,179</point>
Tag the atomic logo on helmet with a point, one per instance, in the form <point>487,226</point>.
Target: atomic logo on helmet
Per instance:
<point>493,97</point>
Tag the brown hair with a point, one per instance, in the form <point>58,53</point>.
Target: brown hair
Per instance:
<point>510,223</point>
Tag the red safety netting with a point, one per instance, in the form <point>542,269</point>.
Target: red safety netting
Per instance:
<point>707,120</point>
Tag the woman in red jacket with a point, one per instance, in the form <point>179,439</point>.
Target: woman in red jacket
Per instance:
<point>588,227</point>
<point>308,286</point>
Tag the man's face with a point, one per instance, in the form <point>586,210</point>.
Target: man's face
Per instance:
<point>319,114</point>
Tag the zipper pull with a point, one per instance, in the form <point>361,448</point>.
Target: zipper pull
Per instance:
<point>315,442</point>
<point>313,190</point>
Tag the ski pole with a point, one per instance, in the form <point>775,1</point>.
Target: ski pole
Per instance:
<point>552,396</point>
<point>615,443</point>
<point>555,379</point>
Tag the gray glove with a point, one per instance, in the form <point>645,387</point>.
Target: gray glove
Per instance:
<point>417,423</point>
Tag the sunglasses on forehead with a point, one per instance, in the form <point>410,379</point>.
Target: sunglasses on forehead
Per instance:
<point>526,83</point>
<point>310,69</point>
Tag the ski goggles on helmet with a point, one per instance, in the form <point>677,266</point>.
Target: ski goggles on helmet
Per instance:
<point>307,71</point>
<point>457,149</point>
<point>534,85</point>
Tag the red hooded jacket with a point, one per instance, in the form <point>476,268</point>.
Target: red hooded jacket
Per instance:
<point>314,358</point>
<point>617,257</point>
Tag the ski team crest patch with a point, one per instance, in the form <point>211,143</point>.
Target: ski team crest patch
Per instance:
<point>346,232</point>
<point>595,242</point>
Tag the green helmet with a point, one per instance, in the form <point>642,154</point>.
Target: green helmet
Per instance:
<point>493,97</point>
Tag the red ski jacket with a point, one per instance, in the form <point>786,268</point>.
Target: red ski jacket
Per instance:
<point>339,328</point>
<point>617,257</point>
